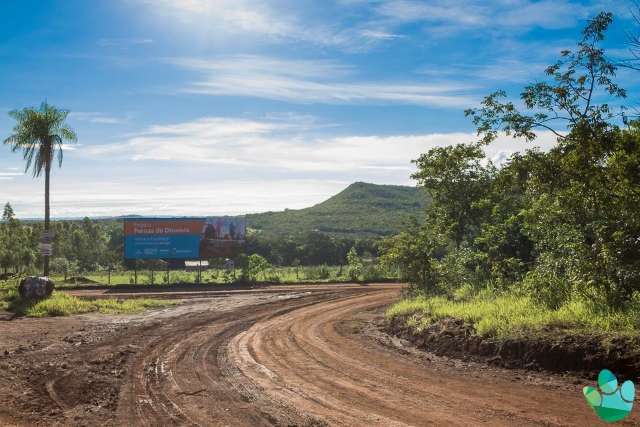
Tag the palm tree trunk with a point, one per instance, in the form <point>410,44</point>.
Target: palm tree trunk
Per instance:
<point>47,173</point>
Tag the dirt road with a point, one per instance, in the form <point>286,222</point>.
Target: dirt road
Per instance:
<point>307,356</point>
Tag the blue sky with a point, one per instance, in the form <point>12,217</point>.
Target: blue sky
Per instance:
<point>233,106</point>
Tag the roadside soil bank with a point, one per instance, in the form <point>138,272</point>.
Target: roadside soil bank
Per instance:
<point>551,349</point>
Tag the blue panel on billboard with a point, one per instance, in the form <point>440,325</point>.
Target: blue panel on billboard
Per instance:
<point>159,247</point>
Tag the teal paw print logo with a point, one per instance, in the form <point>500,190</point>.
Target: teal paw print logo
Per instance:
<point>611,403</point>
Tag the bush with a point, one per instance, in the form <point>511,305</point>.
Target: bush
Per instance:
<point>256,265</point>
<point>355,265</point>
<point>545,285</point>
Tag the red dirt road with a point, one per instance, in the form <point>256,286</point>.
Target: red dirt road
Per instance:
<point>311,357</point>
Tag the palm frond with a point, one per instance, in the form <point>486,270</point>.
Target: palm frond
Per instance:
<point>40,134</point>
<point>60,156</point>
<point>68,134</point>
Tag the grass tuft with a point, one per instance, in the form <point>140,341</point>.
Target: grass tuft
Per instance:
<point>513,315</point>
<point>62,304</point>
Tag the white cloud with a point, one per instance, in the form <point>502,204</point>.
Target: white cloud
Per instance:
<point>357,25</point>
<point>233,18</point>
<point>10,176</point>
<point>211,197</point>
<point>433,11</point>
<point>260,21</point>
<point>380,35</point>
<point>279,146</point>
<point>94,117</point>
<point>305,81</point>
<point>256,64</point>
<point>502,70</point>
<point>123,42</point>
<point>501,14</point>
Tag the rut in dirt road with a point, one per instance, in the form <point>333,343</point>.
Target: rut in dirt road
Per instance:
<point>185,378</point>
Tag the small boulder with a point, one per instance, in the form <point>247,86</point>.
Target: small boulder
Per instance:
<point>34,288</point>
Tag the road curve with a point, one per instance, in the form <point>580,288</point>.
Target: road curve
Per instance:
<point>305,361</point>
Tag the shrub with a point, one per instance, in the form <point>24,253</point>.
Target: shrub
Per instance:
<point>355,265</point>
<point>256,265</point>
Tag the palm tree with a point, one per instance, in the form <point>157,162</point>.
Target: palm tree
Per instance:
<point>40,134</point>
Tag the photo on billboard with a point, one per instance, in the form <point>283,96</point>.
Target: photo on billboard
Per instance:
<point>222,237</point>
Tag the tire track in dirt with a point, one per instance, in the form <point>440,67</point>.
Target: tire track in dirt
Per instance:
<point>184,377</point>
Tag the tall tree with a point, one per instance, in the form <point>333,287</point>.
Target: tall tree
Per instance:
<point>7,213</point>
<point>456,179</point>
<point>40,134</point>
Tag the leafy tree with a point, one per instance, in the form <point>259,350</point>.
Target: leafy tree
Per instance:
<point>17,251</point>
<point>414,252</point>
<point>455,179</point>
<point>61,265</point>
<point>256,265</point>
<point>355,265</point>
<point>40,135</point>
<point>504,251</point>
<point>7,213</point>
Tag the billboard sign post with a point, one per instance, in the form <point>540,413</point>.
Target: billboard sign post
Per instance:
<point>183,238</point>
<point>46,249</point>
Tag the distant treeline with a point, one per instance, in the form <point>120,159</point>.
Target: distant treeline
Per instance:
<point>91,245</point>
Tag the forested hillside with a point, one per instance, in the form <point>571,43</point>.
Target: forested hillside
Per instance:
<point>360,210</point>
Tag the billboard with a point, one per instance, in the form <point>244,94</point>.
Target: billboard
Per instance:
<point>183,238</point>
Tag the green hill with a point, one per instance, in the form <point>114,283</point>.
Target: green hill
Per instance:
<point>361,209</point>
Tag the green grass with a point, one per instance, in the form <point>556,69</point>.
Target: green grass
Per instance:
<point>300,274</point>
<point>513,315</point>
<point>62,304</point>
